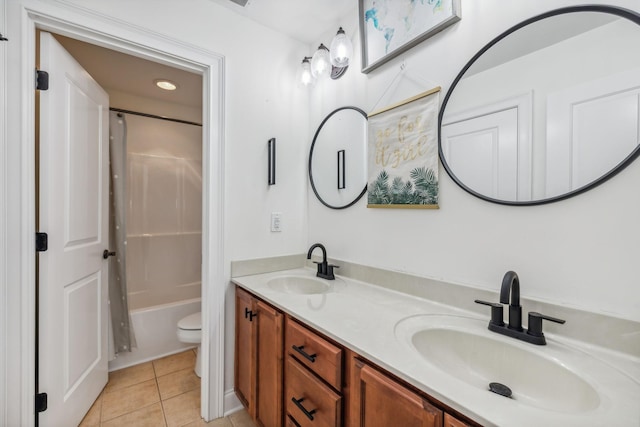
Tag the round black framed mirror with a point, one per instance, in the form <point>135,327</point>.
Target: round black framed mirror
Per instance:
<point>337,158</point>
<point>548,109</point>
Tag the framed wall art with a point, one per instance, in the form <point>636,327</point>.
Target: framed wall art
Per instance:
<point>390,27</point>
<point>403,154</point>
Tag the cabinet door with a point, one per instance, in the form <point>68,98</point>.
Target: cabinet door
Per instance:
<point>309,401</point>
<point>269,372</point>
<point>379,401</point>
<point>246,355</point>
<point>451,421</point>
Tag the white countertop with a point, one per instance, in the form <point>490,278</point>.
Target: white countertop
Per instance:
<point>363,317</point>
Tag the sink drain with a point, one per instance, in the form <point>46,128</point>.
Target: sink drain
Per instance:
<point>500,389</point>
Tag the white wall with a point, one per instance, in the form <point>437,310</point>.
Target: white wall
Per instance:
<point>262,102</point>
<point>4,292</point>
<point>581,252</point>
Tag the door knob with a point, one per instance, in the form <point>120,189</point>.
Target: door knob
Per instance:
<point>106,254</point>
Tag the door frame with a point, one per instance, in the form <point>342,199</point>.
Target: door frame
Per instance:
<point>87,25</point>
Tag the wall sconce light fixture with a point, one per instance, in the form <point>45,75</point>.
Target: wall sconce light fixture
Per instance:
<point>341,170</point>
<point>341,49</point>
<point>325,62</point>
<point>306,76</point>
<point>271,168</point>
<point>321,62</point>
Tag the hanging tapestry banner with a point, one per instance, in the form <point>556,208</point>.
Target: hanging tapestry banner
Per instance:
<point>403,154</point>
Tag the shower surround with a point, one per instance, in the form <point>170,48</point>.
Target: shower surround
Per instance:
<point>164,212</point>
<point>164,233</point>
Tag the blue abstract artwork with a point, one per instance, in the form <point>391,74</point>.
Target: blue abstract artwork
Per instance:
<point>390,26</point>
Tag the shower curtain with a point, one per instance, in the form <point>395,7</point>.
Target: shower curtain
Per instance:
<point>121,328</point>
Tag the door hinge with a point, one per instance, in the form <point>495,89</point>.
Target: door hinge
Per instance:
<point>3,38</point>
<point>42,242</point>
<point>42,80</point>
<point>41,402</point>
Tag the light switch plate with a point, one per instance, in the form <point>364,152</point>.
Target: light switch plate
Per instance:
<point>276,221</point>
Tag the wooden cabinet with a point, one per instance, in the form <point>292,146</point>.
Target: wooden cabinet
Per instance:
<point>451,421</point>
<point>245,351</point>
<point>269,367</point>
<point>315,352</point>
<point>313,378</point>
<point>286,374</point>
<point>310,402</point>
<point>258,367</point>
<point>379,401</point>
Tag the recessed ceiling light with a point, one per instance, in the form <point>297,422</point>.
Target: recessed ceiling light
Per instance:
<point>166,84</point>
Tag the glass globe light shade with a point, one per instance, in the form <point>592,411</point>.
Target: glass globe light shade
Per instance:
<point>341,49</point>
<point>306,78</point>
<point>320,62</point>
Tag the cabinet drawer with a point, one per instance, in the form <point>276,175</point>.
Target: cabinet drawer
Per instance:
<point>317,404</point>
<point>289,422</point>
<point>313,351</point>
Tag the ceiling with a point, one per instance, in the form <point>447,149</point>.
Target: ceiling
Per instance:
<point>303,20</point>
<point>133,75</point>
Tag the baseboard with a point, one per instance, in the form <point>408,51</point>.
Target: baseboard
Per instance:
<point>231,403</point>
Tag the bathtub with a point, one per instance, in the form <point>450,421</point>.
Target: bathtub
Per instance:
<point>155,331</point>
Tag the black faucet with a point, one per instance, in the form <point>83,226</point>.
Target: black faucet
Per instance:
<point>325,270</point>
<point>511,288</point>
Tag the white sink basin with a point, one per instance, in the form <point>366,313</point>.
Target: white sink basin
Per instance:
<point>551,377</point>
<point>303,285</point>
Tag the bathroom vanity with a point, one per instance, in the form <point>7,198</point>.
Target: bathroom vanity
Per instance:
<point>324,382</point>
<point>344,352</point>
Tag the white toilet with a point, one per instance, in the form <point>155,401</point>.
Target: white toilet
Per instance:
<point>190,332</point>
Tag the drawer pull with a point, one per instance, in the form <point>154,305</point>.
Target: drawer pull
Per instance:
<point>249,314</point>
<point>309,357</point>
<point>298,403</point>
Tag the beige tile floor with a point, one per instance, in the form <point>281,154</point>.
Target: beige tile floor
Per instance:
<point>163,392</point>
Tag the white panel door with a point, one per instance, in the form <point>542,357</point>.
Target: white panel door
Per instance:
<point>591,128</point>
<point>73,210</point>
<point>483,153</point>
<point>488,148</point>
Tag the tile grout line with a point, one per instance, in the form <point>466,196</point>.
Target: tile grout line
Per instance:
<point>160,399</point>
<point>127,413</point>
<point>120,390</point>
<point>155,376</point>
